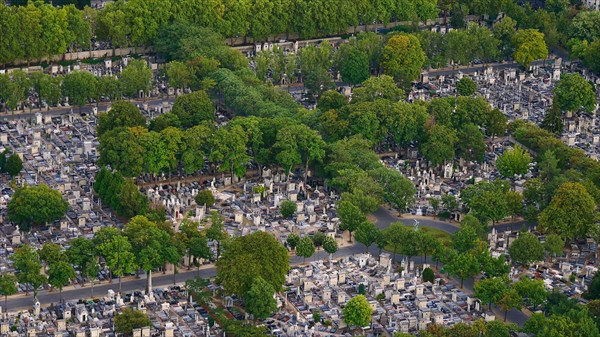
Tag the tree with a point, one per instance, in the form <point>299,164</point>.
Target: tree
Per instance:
<point>305,248</point>
<point>331,100</point>
<point>120,114</point>
<point>428,275</point>
<point>179,75</point>
<point>354,66</point>
<point>318,239</point>
<point>80,87</point>
<point>330,245</point>
<point>570,213</point>
<point>367,234</point>
<point>398,190</point>
<point>531,290</point>
<point>439,146</point>
<point>480,228</point>
<point>593,292</point>
<point>526,249</point>
<point>374,88</point>
<point>465,239</point>
<point>573,92</point>
<point>529,46</point>
<point>471,143</point>
<point>287,208</point>
<point>487,200</point>
<point>229,148</point>
<point>464,265</point>
<point>82,254</point>
<point>8,287</point>
<point>51,253</point>
<point>216,232</point>
<point>466,87</point>
<point>36,205</point>
<point>205,197</point>
<point>357,312</point>
<point>59,275</point>
<point>259,299</point>
<point>121,150</point>
<point>13,165</point>
<point>199,249</point>
<point>193,109</point>
<point>553,120</point>
<point>350,217</point>
<point>510,300</point>
<point>136,78</point>
<point>402,58</point>
<point>292,241</point>
<point>491,290</point>
<point>514,162</point>
<point>27,264</point>
<point>249,256</point>
<point>495,123</point>
<point>129,319</point>
<point>554,245</point>
<point>118,255</point>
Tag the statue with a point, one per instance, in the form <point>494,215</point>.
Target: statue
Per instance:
<point>416,225</point>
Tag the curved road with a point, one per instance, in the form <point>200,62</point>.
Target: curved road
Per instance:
<point>384,219</point>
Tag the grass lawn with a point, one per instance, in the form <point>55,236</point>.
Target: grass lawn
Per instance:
<point>443,237</point>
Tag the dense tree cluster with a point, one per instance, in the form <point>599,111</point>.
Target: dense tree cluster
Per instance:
<point>35,206</point>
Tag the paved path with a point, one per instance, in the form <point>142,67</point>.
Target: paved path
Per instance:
<point>384,219</point>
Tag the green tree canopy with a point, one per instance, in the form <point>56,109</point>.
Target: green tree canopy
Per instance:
<point>129,319</point>
<point>247,257</point>
<point>136,77</point>
<point>205,197</point>
<point>36,205</point>
<point>530,45</point>
<point>121,114</point>
<point>287,208</point>
<point>193,109</point>
<point>526,249</point>
<point>306,247</point>
<point>403,58</point>
<point>13,165</point>
<point>357,312</point>
<point>259,299</point>
<point>571,212</point>
<point>466,87</point>
<point>574,92</point>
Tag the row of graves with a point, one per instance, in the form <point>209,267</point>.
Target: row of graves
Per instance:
<point>61,153</point>
<point>171,311</point>
<point>570,273</point>
<point>451,178</point>
<point>523,95</point>
<point>252,205</point>
<point>400,299</point>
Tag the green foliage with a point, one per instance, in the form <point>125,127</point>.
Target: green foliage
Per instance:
<point>205,197</point>
<point>136,77</point>
<point>247,257</point>
<point>287,208</point>
<point>533,291</point>
<point>570,213</point>
<point>354,66</point>
<point>60,273</point>
<point>554,244</point>
<point>526,249</point>
<point>357,312</point>
<point>193,109</point>
<point>306,247</point>
<point>529,46</point>
<point>13,165</point>
<point>293,240</point>
<point>439,146</point>
<point>470,144</point>
<point>428,275</point>
<point>488,200</point>
<point>27,264</point>
<point>129,319</point>
<point>463,266</point>
<point>36,205</point>
<point>491,290</point>
<point>121,114</point>
<point>351,216</point>
<point>593,292</point>
<point>259,299</point>
<point>80,87</point>
<point>8,285</point>
<point>402,58</point>
<point>573,92</point>
<point>330,245</point>
<point>466,87</point>
<point>367,234</point>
